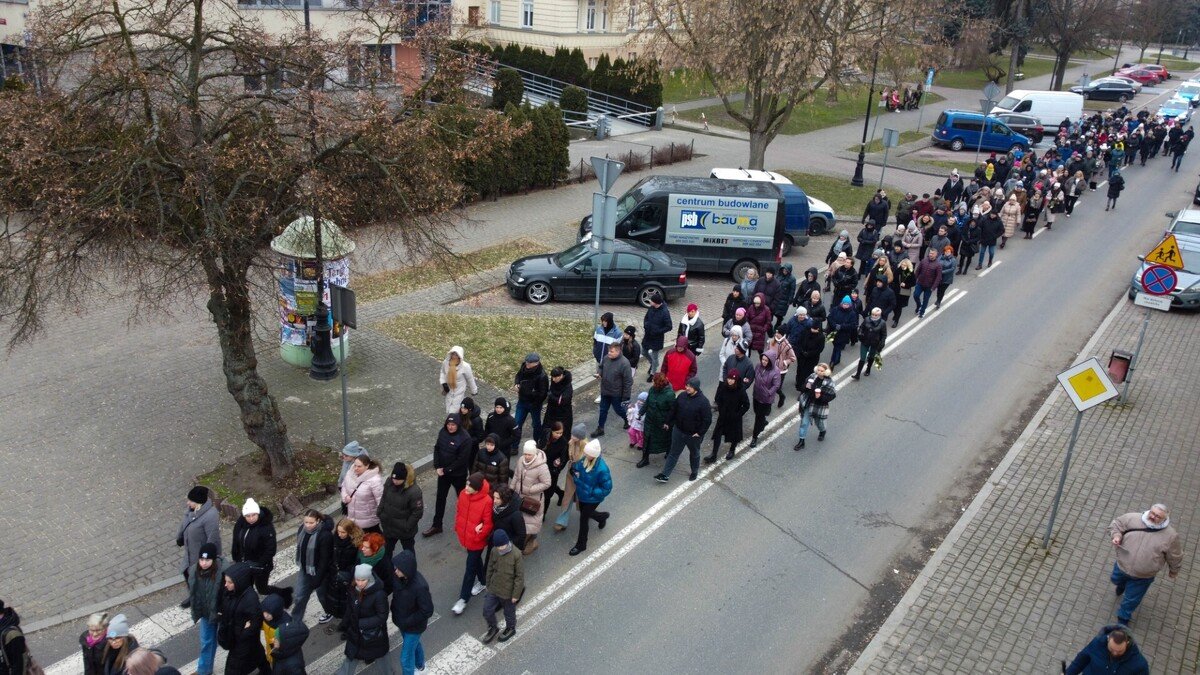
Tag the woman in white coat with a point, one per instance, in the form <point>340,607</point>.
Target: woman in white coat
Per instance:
<point>531,478</point>
<point>457,379</point>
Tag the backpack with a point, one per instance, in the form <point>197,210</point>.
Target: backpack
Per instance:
<point>31,666</point>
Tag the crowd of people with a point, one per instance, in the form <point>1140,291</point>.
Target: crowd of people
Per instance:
<point>506,484</point>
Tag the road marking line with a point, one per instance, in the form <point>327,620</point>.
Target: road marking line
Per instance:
<point>989,269</point>
<point>1035,234</point>
<point>442,661</point>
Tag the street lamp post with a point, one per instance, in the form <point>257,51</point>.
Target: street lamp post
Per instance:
<point>857,180</point>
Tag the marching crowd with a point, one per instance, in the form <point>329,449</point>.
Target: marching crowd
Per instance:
<point>505,487</point>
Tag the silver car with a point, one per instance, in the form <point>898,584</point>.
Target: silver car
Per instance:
<point>1186,228</point>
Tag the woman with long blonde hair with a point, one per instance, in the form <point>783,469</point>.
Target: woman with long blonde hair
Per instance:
<point>457,379</point>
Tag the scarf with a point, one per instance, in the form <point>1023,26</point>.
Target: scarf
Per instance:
<point>306,551</point>
<point>690,323</point>
<point>371,560</point>
<point>93,642</point>
<point>1151,524</point>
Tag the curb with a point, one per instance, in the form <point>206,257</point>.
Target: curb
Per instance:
<point>911,596</point>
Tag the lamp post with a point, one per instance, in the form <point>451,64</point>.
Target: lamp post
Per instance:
<point>324,365</point>
<point>857,180</point>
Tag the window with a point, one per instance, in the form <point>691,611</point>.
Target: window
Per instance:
<point>1024,106</point>
<point>590,23</point>
<point>604,260</point>
<point>473,16</point>
<point>494,12</point>
<point>968,125</point>
<point>373,63</point>
<point>632,14</point>
<point>628,262</point>
<point>526,13</point>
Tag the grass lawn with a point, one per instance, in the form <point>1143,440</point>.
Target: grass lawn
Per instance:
<point>975,79</point>
<point>394,282</point>
<point>965,169</point>
<point>837,191</point>
<point>905,137</point>
<point>495,344</point>
<point>808,116</point>
<point>685,85</point>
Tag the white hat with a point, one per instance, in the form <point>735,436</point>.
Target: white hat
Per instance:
<point>592,449</point>
<point>529,447</point>
<point>250,507</point>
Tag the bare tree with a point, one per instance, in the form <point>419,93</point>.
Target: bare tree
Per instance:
<point>1069,26</point>
<point>170,140</point>
<point>1147,21</point>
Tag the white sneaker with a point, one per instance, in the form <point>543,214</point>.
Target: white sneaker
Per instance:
<point>478,588</point>
<point>597,399</point>
<point>459,606</point>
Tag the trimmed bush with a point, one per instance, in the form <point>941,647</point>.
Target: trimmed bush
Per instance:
<point>509,89</point>
<point>574,99</point>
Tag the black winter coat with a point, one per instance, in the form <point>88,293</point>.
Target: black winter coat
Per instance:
<point>93,657</point>
<point>817,312</point>
<point>288,658</point>
<point>324,548</point>
<point>883,298</point>
<point>867,239</point>
<point>559,403</point>
<point>341,574</point>
<point>239,622</point>
<point>694,335</point>
<point>731,306</point>
<point>844,280</point>
<point>510,519</point>
<point>412,604</point>
<point>632,352</point>
<point>873,332</point>
<point>366,623</point>
<point>877,210</point>
<point>505,428</point>
<point>493,465</point>
<point>807,285</point>
<point>1115,185</point>
<point>556,450</point>
<point>691,413</point>
<point>655,325</point>
<point>255,544</point>
<point>769,288</point>
<point>787,290</point>
<point>452,452</point>
<point>732,404</point>
<point>400,510</point>
<point>990,229</point>
<point>532,385</point>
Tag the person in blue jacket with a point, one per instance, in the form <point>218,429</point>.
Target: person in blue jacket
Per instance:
<point>843,323</point>
<point>605,334</point>
<point>593,483</point>
<point>1112,652</point>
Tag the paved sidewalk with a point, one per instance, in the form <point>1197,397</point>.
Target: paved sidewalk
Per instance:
<point>991,600</point>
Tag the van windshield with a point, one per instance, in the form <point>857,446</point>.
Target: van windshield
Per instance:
<point>1008,103</point>
<point>626,203</point>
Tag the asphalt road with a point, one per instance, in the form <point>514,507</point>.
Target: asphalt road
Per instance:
<point>787,561</point>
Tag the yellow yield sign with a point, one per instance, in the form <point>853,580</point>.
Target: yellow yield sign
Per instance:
<point>1166,253</point>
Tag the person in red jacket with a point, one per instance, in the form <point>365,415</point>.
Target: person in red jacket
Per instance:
<point>473,524</point>
<point>679,365</point>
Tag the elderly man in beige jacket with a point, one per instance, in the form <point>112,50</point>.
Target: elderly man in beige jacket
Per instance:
<point>1145,542</point>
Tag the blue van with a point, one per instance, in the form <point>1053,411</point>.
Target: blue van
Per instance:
<point>960,129</point>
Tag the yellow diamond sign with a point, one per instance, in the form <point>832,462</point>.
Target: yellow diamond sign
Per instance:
<point>1087,384</point>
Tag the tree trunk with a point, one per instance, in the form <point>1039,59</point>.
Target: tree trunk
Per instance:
<point>1060,70</point>
<point>758,148</point>
<point>831,96</point>
<point>230,307</point>
<point>1142,55</point>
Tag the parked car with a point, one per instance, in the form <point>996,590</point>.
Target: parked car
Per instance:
<point>1176,108</point>
<point>820,215</point>
<point>1047,107</point>
<point>1137,86</point>
<point>1156,68</point>
<point>960,129</point>
<point>1102,90</point>
<point>1185,225</point>
<point>633,272</point>
<point>1142,75</point>
<point>1025,125</point>
<point>1196,197</point>
<point>1190,92</point>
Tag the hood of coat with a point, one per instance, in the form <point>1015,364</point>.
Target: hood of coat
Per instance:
<point>273,605</point>
<point>785,269</point>
<point>406,563</point>
<point>265,519</point>
<point>456,350</point>
<point>810,274</point>
<point>503,402</point>
<point>681,343</point>
<point>495,456</point>
<point>772,356</point>
<point>242,575</point>
<point>761,298</point>
<point>539,458</point>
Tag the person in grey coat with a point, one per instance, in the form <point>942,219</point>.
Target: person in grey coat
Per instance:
<point>616,386</point>
<point>201,525</point>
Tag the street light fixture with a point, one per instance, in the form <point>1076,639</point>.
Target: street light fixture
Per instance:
<point>857,180</point>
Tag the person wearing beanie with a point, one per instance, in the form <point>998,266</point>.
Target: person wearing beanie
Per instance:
<point>630,348</point>
<point>361,492</point>
<point>254,543</point>
<point>205,583</point>
<point>201,525</point>
<point>350,452</point>
<point>365,623</point>
<point>616,386</point>
<point>15,650</point>
<point>120,644</point>
<point>559,401</point>
<point>690,417</point>
<point>286,647</point>
<point>451,460</point>
<point>691,326</point>
<point>92,642</point>
<point>529,483</point>
<point>506,585</point>
<point>400,509</point>
<point>635,415</point>
<point>239,621</point>
<point>655,325</point>
<point>606,333</point>
<point>787,291</point>
<point>843,324</point>
<point>492,462</point>
<point>412,607</point>
<point>533,385</point>
<point>501,422</point>
<point>593,483</point>
<point>473,525</point>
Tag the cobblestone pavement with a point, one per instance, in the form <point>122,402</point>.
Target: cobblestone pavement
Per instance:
<point>107,424</point>
<point>993,601</point>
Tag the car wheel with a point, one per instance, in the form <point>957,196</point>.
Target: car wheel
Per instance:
<point>646,292</point>
<point>1132,295</point>
<point>539,293</point>
<point>817,225</point>
<point>1038,140</point>
<point>957,144</point>
<point>1123,98</point>
<point>788,243</point>
<point>742,268</point>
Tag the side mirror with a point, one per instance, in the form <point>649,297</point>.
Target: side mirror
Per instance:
<point>1142,258</point>
<point>1171,214</point>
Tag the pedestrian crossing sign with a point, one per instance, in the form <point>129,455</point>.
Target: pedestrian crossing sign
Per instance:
<point>1087,384</point>
<point>1167,253</point>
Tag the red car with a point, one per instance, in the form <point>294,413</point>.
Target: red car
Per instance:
<point>1141,75</point>
<point>1160,70</point>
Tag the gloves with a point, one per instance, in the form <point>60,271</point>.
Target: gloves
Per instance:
<point>179,542</point>
<point>445,388</point>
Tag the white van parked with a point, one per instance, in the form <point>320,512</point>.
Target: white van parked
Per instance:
<point>1049,107</point>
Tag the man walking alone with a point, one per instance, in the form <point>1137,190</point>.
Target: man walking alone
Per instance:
<point>1145,543</point>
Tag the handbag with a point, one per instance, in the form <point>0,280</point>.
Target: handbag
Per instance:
<point>531,505</point>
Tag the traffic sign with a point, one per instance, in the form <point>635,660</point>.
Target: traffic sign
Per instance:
<point>1166,253</point>
<point>1159,280</point>
<point>1159,302</point>
<point>991,90</point>
<point>1087,384</point>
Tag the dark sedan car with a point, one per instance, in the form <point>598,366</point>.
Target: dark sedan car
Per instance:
<point>633,272</point>
<point>1107,90</point>
<point>1025,125</point>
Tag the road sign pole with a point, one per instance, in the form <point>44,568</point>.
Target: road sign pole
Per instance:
<point>345,404</point>
<point>1062,480</point>
<point>1133,361</point>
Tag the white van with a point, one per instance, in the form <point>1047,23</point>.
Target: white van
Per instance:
<point>1049,107</point>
